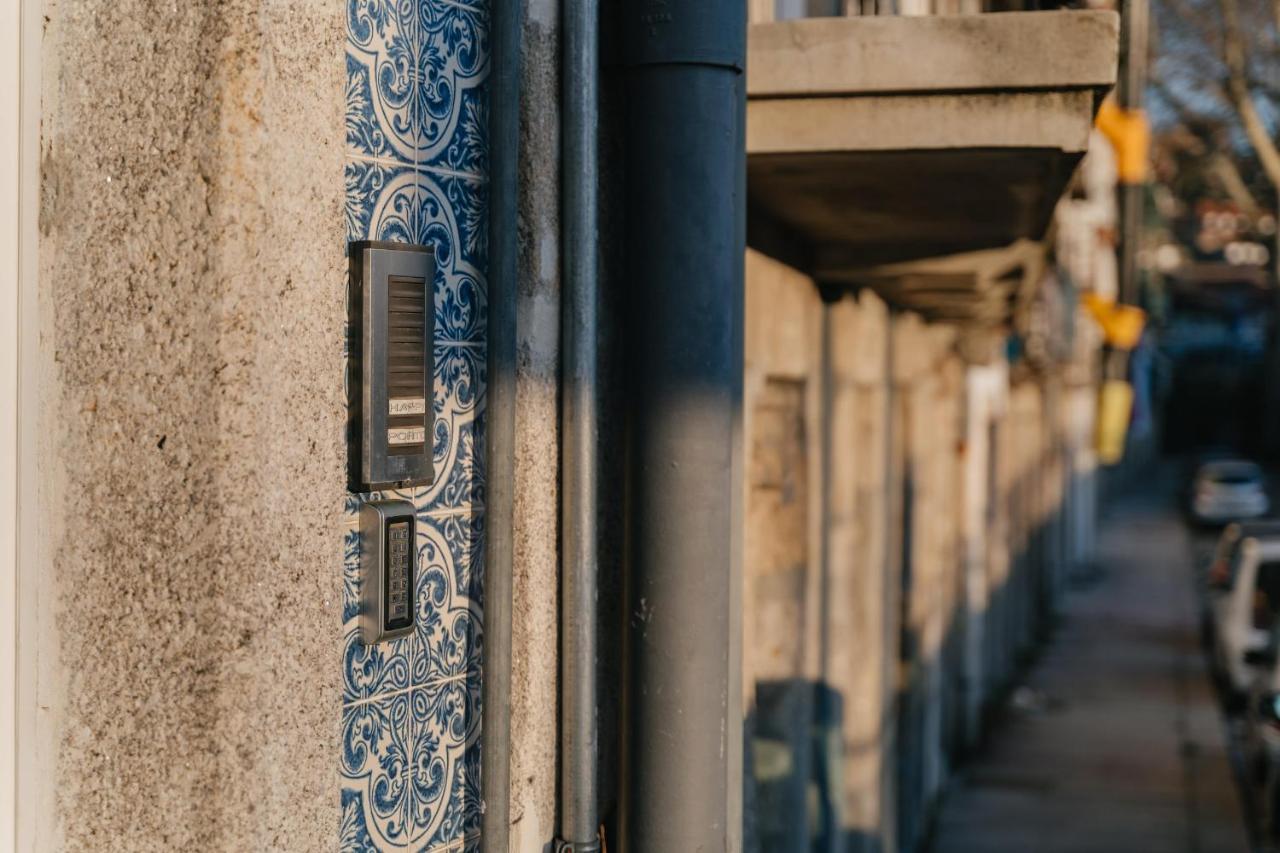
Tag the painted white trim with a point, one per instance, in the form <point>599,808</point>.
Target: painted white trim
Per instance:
<point>10,238</point>
<point>20,32</point>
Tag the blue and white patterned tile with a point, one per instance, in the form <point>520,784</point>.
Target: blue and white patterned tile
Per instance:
<point>459,374</point>
<point>452,59</point>
<point>415,172</point>
<point>448,618</point>
<point>470,198</point>
<point>442,616</point>
<point>370,671</point>
<point>382,82</point>
<point>468,150</point>
<point>460,314</point>
<point>464,485</point>
<point>353,834</point>
<point>377,738</point>
<point>467,530</point>
<point>366,137</point>
<point>382,201</point>
<point>462,814</point>
<point>445,748</point>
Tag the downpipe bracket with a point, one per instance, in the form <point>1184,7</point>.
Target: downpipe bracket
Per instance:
<point>592,846</point>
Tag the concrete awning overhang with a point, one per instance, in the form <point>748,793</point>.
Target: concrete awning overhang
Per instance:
<point>983,288</point>
<point>877,140</point>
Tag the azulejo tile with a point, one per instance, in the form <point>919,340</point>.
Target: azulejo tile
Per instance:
<point>370,671</point>
<point>462,816</point>
<point>446,209</point>
<point>452,59</point>
<point>405,765</point>
<point>365,135</point>
<point>405,751</point>
<point>448,618</point>
<point>463,483</point>
<point>468,151</point>
<point>446,761</point>
<point>465,533</point>
<point>470,198</point>
<point>415,172</point>
<point>410,66</point>
<point>382,85</point>
<point>381,201</point>
<point>376,752</point>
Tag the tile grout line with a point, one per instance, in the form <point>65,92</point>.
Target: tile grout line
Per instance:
<point>470,509</point>
<point>455,845</point>
<point>469,8</point>
<point>356,156</point>
<point>400,691</point>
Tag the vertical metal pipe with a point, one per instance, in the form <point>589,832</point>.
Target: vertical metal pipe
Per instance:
<point>579,456</point>
<point>500,413</point>
<point>1132,85</point>
<point>685,214</point>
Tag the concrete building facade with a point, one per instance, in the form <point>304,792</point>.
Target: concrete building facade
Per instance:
<point>910,430</point>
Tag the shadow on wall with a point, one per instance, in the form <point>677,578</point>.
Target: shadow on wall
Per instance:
<point>793,772</point>
<point>794,755</point>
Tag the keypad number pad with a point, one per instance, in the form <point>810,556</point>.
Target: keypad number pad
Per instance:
<point>398,592</point>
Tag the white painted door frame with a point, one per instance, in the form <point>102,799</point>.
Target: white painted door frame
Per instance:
<point>20,30</point>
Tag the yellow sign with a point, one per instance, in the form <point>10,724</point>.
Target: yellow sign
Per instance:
<point>1114,406</point>
<point>1130,136</point>
<point>1121,325</point>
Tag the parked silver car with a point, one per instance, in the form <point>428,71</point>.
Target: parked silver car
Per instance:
<point>1228,490</point>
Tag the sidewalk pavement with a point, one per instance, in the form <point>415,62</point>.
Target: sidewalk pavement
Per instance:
<point>1125,750</point>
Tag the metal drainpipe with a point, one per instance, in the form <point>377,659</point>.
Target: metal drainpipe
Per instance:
<point>500,413</point>
<point>686,227</point>
<point>579,441</point>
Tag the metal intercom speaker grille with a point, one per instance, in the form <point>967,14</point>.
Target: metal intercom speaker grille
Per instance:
<point>406,365</point>
<point>390,379</point>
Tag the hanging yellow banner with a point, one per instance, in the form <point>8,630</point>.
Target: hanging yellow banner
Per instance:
<point>1121,325</point>
<point>1130,136</point>
<point>1115,403</point>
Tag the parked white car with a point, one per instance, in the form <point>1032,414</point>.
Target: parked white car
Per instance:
<point>1244,617</point>
<point>1228,490</point>
<point>1219,574</point>
<point>1262,753</point>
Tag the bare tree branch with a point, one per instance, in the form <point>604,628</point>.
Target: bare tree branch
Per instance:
<point>1224,169</point>
<point>1254,128</point>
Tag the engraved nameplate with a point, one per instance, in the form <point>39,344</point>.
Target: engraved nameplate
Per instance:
<point>407,406</point>
<point>406,435</point>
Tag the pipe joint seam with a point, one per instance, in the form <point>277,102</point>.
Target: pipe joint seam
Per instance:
<point>592,846</point>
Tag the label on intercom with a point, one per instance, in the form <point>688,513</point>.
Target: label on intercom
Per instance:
<point>407,406</point>
<point>406,435</point>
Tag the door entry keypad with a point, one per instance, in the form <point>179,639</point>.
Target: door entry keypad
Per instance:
<point>388,569</point>
<point>399,573</point>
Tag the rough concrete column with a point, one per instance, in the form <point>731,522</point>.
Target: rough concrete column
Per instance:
<point>192,291</point>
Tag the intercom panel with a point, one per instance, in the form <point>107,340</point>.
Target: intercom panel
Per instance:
<point>390,379</point>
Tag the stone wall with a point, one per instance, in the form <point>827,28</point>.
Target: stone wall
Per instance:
<point>191,298</point>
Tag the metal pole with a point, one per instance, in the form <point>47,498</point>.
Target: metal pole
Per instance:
<point>500,413</point>
<point>579,459</point>
<point>1132,193</point>
<point>686,234</point>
